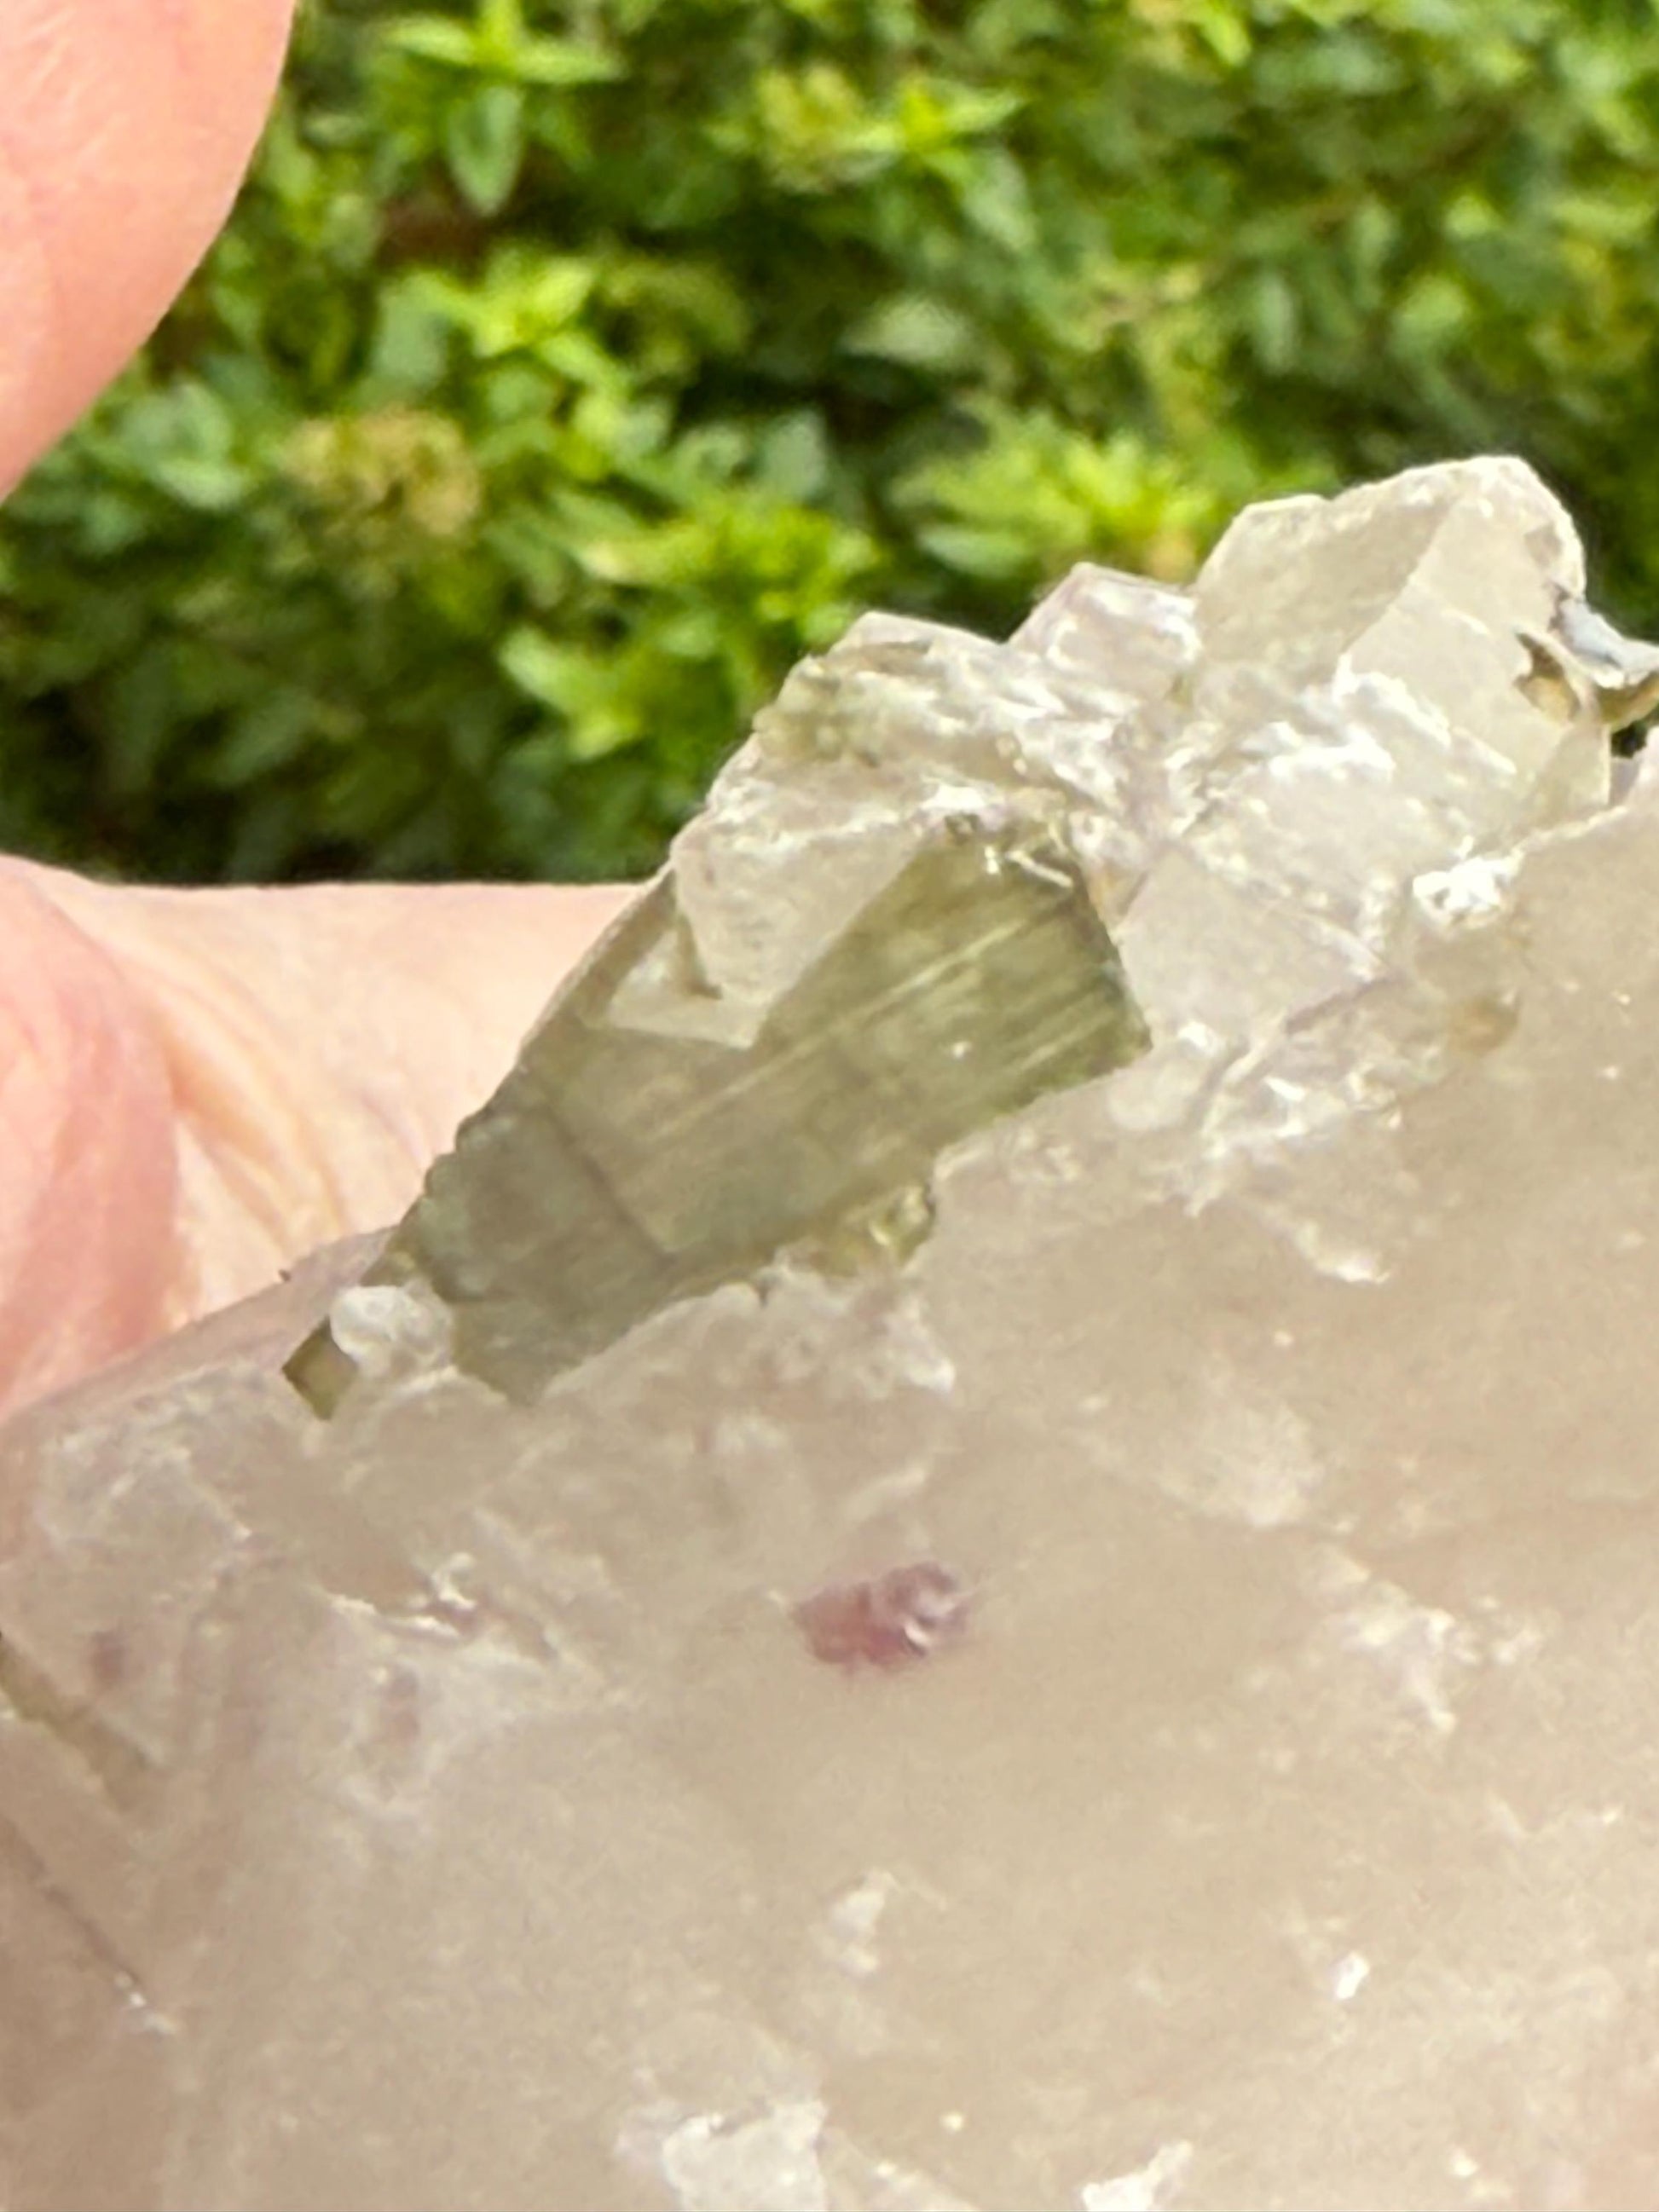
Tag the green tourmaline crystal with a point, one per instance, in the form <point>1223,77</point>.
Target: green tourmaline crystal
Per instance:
<point>617,1170</point>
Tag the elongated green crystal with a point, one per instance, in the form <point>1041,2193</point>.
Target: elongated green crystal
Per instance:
<point>617,1170</point>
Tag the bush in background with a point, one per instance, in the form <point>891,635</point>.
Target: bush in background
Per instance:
<point>569,369</point>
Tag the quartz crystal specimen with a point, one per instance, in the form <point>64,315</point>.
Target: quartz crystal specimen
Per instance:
<point>990,1540</point>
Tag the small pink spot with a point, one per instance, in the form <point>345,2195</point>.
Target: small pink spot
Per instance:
<point>891,1620</point>
<point>109,1658</point>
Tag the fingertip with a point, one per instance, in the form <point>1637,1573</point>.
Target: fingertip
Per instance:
<point>126,126</point>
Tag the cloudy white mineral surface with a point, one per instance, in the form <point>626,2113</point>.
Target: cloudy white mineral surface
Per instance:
<point>992,1539</point>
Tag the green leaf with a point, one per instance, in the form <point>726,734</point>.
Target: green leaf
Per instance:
<point>410,354</point>
<point>434,39</point>
<point>1275,320</point>
<point>484,139</point>
<point>793,456</point>
<point>501,28</point>
<point>562,63</point>
<point>536,665</point>
<point>263,736</point>
<point>996,199</point>
<point>922,333</point>
<point>994,555</point>
<point>143,710</point>
<point>1225,27</point>
<point>593,692</point>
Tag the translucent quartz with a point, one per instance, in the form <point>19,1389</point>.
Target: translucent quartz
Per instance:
<point>1090,1652</point>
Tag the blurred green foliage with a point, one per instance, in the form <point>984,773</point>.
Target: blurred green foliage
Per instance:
<point>572,366</point>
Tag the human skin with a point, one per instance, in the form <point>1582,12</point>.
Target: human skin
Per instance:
<point>187,1102</point>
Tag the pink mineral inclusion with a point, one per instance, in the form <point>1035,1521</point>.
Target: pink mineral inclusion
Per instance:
<point>891,1620</point>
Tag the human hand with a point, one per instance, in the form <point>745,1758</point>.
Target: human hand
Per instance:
<point>197,1086</point>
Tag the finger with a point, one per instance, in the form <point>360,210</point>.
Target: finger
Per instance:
<point>317,1046</point>
<point>124,128</point>
<point>87,1157</point>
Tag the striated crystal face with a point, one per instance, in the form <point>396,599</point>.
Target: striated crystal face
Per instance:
<point>989,1542</point>
<point>621,1167</point>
